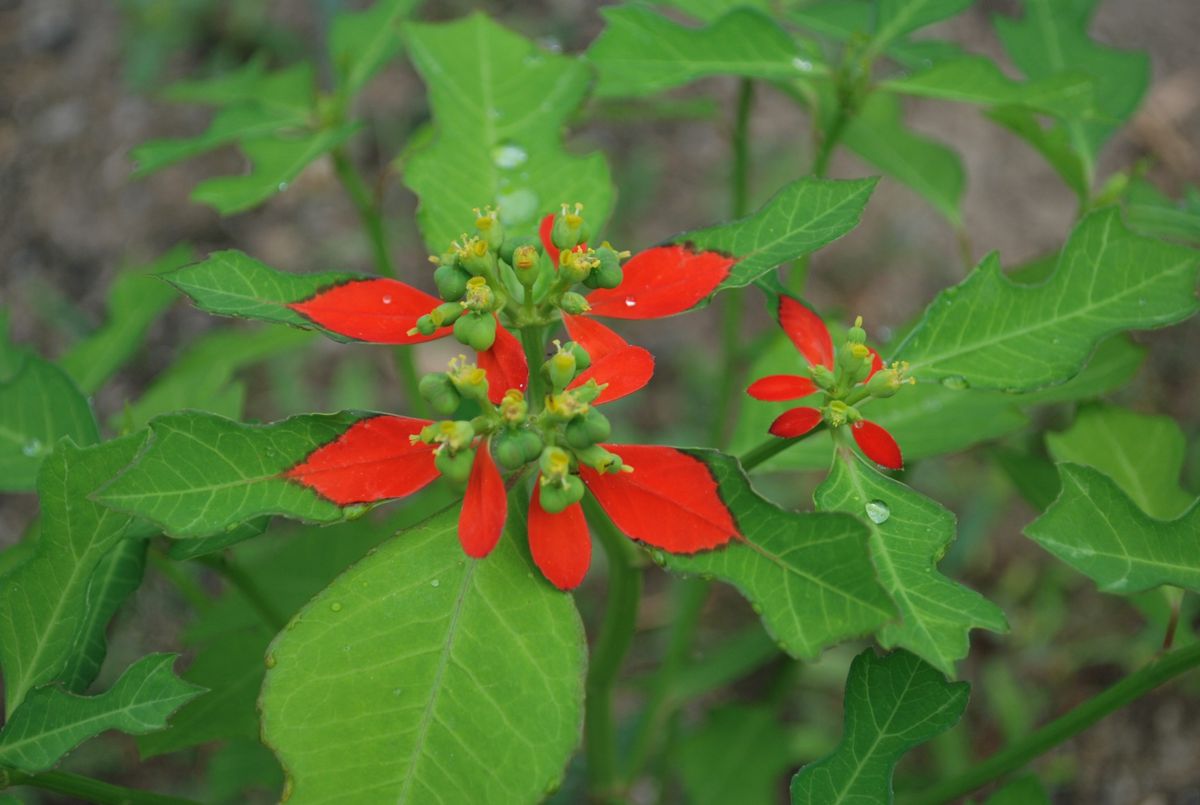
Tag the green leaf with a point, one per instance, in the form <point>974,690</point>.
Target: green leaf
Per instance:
<point>290,88</point>
<point>181,550</point>
<point>275,163</point>
<point>230,125</point>
<point>200,473</point>
<point>909,533</point>
<point>977,80</point>
<point>892,704</point>
<point>231,283</point>
<point>1151,212</point>
<point>1052,142</point>
<point>1096,529</point>
<point>201,377</point>
<point>801,218</point>
<point>641,52</point>
<point>39,404</point>
<point>499,107</point>
<point>885,22</point>
<point>990,332</point>
<point>808,575</point>
<point>482,644</point>
<point>878,135</point>
<point>137,297</point>
<point>709,10</point>
<point>737,755</point>
<point>51,722</point>
<point>361,43</point>
<point>1142,454</point>
<point>1052,38</point>
<point>45,602</point>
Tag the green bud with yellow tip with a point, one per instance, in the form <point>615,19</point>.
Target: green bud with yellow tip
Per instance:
<point>455,434</point>
<point>451,281</point>
<point>576,266</point>
<point>476,330</point>
<point>823,376</point>
<point>446,313</point>
<point>588,392</point>
<point>568,230</point>
<point>555,497</point>
<point>582,359</point>
<point>838,413</point>
<point>513,408</point>
<point>508,250</point>
<point>475,256</point>
<point>573,304</point>
<point>554,464</point>
<point>489,228</point>
<point>479,296</point>
<point>560,368</point>
<point>599,459</point>
<point>887,382</point>
<point>454,466</point>
<point>856,334</point>
<point>608,272</point>
<point>527,263</point>
<point>425,326</point>
<point>440,393</point>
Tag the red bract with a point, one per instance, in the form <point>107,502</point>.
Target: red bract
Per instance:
<point>812,339</point>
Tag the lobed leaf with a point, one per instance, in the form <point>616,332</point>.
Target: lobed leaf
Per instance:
<point>1095,528</point>
<point>51,722</point>
<point>978,80</point>
<point>892,704</point>
<point>808,575</point>
<point>909,533</point>
<point>989,332</point>
<point>441,649</point>
<point>499,106</point>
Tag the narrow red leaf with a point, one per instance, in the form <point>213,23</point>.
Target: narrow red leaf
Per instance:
<point>373,460</point>
<point>544,230</point>
<point>559,542</point>
<point>877,444</point>
<point>661,282</point>
<point>669,501</point>
<point>377,310</point>
<point>593,336</point>
<point>774,388</point>
<point>624,371</point>
<point>505,365</point>
<point>485,506</point>
<point>807,331</point>
<point>795,422</point>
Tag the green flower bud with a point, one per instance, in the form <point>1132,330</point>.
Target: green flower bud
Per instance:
<point>556,497</point>
<point>531,442</point>
<point>455,434</point>
<point>445,314</point>
<point>475,256</point>
<point>599,459</point>
<point>469,380</point>
<point>588,392</point>
<point>608,273</point>
<point>476,330</point>
<point>582,359</point>
<point>425,325</point>
<point>454,466</point>
<point>451,281</point>
<point>568,231</point>
<point>588,429</point>
<point>490,230</point>
<point>513,408</point>
<point>574,304</point>
<point>837,413</point>
<point>527,263</point>
<point>887,382</point>
<point>479,295</point>
<point>822,376</point>
<point>508,251</point>
<point>560,368</point>
<point>575,266</point>
<point>508,450</point>
<point>440,393</point>
<point>555,464</point>
<point>856,334</point>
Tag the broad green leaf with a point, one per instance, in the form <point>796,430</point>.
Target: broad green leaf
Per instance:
<point>1142,454</point>
<point>989,332</point>
<point>231,283</point>
<point>201,376</point>
<point>39,404</point>
<point>443,652</point>
<point>1095,528</point>
<point>892,704</point>
<point>276,161</point>
<point>909,533</point>
<point>878,135</point>
<point>808,575</point>
<point>1111,367</point>
<point>1051,38</point>
<point>801,218</point>
<point>200,473</point>
<point>738,755</point>
<point>977,80</point>
<point>51,722</point>
<point>361,43</point>
<point>499,107</point>
<point>137,297</point>
<point>1052,142</point>
<point>641,52</point>
<point>44,602</point>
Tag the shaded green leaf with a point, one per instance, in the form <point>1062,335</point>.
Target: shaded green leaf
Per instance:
<point>1142,454</point>
<point>737,755</point>
<point>231,124</point>
<point>137,297</point>
<point>481,643</point>
<point>885,22</point>
<point>801,218</point>
<point>1095,528</point>
<point>978,80</point>
<point>45,601</point>
<point>51,722</point>
<point>499,106</point>
<point>200,473</point>
<point>1050,140</point>
<point>808,575</point>
<point>361,43</point>
<point>1153,213</point>
<point>290,88</point>
<point>892,704</point>
<point>39,403</point>
<point>990,332</point>
<point>909,533</point>
<point>184,549</point>
<point>641,52</point>
<point>709,10</point>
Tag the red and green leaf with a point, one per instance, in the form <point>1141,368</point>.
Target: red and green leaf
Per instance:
<point>379,310</point>
<point>662,281</point>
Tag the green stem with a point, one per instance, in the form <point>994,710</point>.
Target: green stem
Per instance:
<point>533,339</point>
<point>87,789</point>
<point>770,448</point>
<point>690,595</point>
<point>608,653</point>
<point>1018,754</point>
<point>244,584</point>
<point>368,210</point>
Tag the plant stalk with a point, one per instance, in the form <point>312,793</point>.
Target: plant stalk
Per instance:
<point>1018,754</point>
<point>770,448</point>
<point>608,654</point>
<point>86,788</point>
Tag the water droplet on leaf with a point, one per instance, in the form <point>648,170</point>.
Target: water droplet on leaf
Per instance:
<point>32,447</point>
<point>509,156</point>
<point>434,583</point>
<point>878,512</point>
<point>518,207</point>
<point>803,65</point>
<point>269,661</point>
<point>956,382</point>
<point>336,606</point>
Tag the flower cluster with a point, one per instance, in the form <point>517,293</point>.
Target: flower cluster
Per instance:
<point>852,375</point>
<point>491,284</point>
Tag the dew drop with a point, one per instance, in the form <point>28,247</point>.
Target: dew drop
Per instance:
<point>956,382</point>
<point>269,661</point>
<point>878,512</point>
<point>803,65</point>
<point>397,691</point>
<point>630,302</point>
<point>32,447</point>
<point>435,583</point>
<point>509,156</point>
<point>336,606</point>
<point>282,186</point>
<point>518,207</point>
<point>1141,302</point>
<point>387,300</point>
